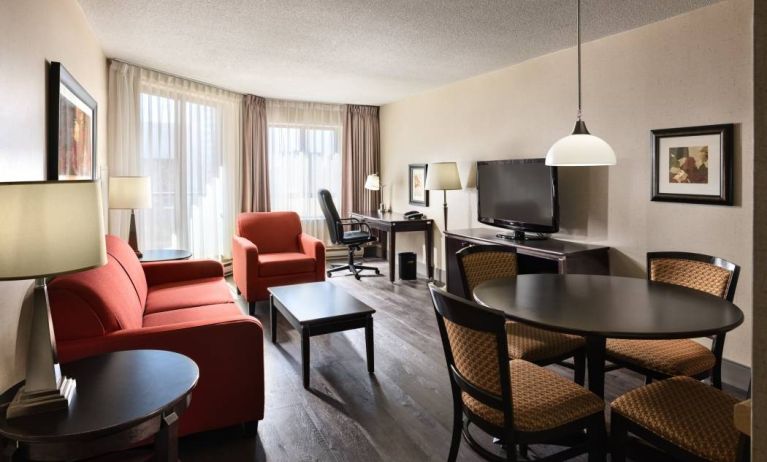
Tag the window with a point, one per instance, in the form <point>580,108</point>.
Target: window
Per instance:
<point>304,150</point>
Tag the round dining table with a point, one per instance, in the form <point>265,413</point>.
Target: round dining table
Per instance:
<point>601,307</point>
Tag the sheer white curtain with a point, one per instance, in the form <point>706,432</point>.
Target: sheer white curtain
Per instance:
<point>185,136</point>
<point>304,149</point>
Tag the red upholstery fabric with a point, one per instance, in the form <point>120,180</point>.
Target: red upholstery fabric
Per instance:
<point>196,292</point>
<point>94,302</point>
<point>100,310</point>
<point>269,251</point>
<point>126,257</point>
<point>271,232</point>
<point>164,272</point>
<point>279,264</point>
<point>197,313</point>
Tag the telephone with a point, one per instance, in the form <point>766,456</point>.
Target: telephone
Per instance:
<point>414,215</point>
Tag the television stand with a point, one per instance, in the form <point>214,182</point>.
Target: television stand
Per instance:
<point>533,256</point>
<point>520,236</point>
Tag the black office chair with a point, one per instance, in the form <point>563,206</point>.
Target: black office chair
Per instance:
<point>353,238</point>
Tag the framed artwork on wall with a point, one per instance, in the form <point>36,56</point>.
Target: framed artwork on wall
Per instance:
<point>418,194</point>
<point>693,164</point>
<point>71,128</point>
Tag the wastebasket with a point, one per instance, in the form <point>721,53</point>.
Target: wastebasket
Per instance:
<point>407,266</point>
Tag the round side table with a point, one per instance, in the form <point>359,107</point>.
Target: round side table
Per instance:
<point>122,399</point>
<point>165,255</point>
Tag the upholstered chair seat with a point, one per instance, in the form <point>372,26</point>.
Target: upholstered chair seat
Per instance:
<point>689,414</point>
<point>668,357</point>
<point>534,344</point>
<point>541,400</point>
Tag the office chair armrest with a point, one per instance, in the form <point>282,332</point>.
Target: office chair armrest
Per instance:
<point>357,223</point>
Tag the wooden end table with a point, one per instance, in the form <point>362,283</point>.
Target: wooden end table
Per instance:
<point>318,308</point>
<point>122,399</point>
<point>165,255</point>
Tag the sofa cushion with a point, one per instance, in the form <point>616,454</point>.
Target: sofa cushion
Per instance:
<point>94,302</point>
<point>271,232</point>
<point>277,264</point>
<point>185,294</point>
<point>126,257</point>
<point>197,313</point>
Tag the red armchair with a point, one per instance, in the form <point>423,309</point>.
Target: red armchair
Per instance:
<point>181,306</point>
<point>271,250</point>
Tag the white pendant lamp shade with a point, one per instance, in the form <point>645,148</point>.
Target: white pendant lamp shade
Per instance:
<point>579,150</point>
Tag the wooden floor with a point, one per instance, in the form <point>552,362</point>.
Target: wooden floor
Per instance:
<point>402,412</point>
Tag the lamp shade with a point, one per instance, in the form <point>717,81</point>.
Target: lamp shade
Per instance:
<point>443,176</point>
<point>580,150</point>
<point>50,228</point>
<point>130,192</point>
<point>373,182</point>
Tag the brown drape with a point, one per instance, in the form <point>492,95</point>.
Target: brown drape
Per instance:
<point>361,156</point>
<point>255,162</point>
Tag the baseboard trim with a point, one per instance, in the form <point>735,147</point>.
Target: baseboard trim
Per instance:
<point>736,375</point>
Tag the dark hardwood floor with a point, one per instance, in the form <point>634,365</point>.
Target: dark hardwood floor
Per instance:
<point>402,412</point>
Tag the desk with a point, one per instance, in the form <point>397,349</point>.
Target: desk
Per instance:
<point>122,399</point>
<point>601,307</point>
<point>393,223</point>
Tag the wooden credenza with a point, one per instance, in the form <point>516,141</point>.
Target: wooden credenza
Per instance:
<point>534,256</point>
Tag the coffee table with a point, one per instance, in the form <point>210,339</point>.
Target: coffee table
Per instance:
<point>318,308</point>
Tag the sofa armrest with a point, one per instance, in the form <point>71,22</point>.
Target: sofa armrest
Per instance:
<point>164,272</point>
<point>228,350</point>
<point>245,266</point>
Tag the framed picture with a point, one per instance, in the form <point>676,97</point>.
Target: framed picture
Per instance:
<point>693,164</point>
<point>417,182</point>
<point>71,128</point>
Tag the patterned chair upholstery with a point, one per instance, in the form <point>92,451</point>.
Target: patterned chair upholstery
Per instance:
<point>482,263</point>
<point>667,358</point>
<point>680,415</point>
<point>513,400</point>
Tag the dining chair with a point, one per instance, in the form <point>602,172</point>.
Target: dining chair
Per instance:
<point>681,416</point>
<point>660,359</point>
<point>480,263</point>
<point>515,401</point>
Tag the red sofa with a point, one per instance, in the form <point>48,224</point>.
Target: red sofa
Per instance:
<point>270,250</point>
<point>181,306</point>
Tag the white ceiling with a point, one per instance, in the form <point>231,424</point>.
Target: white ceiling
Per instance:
<point>352,51</point>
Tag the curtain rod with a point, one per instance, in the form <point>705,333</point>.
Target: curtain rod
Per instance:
<point>227,89</point>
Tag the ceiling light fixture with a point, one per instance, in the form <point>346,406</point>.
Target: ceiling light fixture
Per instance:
<point>581,148</point>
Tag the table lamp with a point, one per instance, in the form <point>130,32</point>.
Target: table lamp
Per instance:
<point>373,183</point>
<point>130,192</point>
<point>49,228</point>
<point>443,176</point>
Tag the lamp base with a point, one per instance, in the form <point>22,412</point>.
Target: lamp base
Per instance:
<point>42,401</point>
<point>132,239</point>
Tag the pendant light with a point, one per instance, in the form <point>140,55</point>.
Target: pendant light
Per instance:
<point>580,149</point>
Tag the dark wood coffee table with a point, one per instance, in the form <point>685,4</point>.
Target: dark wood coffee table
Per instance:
<point>319,308</point>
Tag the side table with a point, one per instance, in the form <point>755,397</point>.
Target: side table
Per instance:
<point>165,255</point>
<point>122,399</point>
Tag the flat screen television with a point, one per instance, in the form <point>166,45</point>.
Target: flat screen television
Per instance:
<point>518,194</point>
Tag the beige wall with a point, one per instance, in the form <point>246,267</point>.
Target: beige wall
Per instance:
<point>31,33</point>
<point>694,69</point>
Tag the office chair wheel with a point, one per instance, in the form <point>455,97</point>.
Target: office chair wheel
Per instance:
<point>357,277</point>
<point>330,275</point>
<point>378,273</point>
